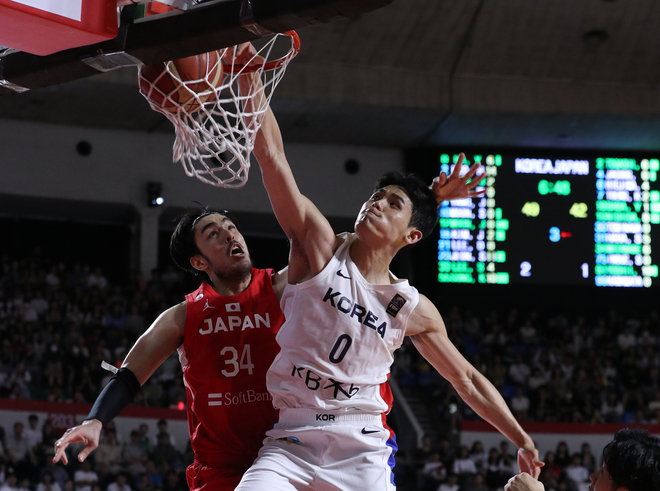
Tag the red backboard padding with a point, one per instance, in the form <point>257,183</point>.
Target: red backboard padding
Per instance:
<point>40,32</point>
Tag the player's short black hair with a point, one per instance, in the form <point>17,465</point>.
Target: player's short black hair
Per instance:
<point>633,460</point>
<point>424,205</point>
<point>182,242</point>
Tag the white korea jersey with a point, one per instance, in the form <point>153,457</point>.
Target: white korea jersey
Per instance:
<point>338,339</point>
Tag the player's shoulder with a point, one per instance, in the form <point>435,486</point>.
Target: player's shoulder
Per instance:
<point>176,314</point>
<point>424,318</point>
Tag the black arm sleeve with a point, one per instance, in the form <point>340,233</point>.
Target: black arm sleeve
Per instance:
<point>118,394</point>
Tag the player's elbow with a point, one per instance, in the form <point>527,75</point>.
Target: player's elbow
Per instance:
<point>463,382</point>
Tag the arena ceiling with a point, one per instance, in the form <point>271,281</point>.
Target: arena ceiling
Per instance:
<point>560,73</point>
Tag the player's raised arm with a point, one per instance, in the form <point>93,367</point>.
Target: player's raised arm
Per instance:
<point>312,237</point>
<point>147,354</point>
<point>430,338</point>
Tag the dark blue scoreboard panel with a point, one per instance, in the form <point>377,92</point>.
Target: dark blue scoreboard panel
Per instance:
<point>574,219</point>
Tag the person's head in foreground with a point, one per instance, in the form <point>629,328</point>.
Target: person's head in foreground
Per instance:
<point>631,462</point>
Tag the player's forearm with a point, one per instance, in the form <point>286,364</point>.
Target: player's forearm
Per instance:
<point>289,205</point>
<point>488,403</point>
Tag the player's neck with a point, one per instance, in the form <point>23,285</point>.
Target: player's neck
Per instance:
<point>231,286</point>
<point>373,262</point>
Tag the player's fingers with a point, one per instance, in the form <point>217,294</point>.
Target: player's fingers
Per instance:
<point>60,453</point>
<point>457,168</point>
<point>472,171</point>
<point>476,180</point>
<point>84,453</point>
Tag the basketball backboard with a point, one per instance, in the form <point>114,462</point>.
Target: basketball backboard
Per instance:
<point>192,27</point>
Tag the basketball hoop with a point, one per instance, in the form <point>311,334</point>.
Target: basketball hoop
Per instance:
<point>215,133</point>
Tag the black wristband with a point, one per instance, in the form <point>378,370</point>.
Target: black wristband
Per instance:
<point>118,394</point>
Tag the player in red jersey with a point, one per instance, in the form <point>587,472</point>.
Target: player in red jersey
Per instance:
<point>225,335</point>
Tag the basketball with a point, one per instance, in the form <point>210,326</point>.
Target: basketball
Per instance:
<point>187,82</point>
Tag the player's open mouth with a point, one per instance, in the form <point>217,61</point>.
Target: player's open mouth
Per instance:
<point>236,250</point>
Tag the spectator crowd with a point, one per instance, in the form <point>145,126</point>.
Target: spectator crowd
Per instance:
<point>58,322</point>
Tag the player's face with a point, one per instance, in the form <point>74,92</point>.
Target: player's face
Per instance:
<point>385,215</point>
<point>601,480</point>
<point>222,246</point>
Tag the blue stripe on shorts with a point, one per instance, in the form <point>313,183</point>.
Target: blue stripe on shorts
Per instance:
<point>391,461</point>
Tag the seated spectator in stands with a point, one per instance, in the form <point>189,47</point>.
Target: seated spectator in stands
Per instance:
<point>173,482</point>
<point>48,438</point>
<point>47,483</point>
<point>519,371</point>
<point>550,472</point>
<point>164,453</point>
<point>450,485</point>
<point>96,279</point>
<point>85,478</point>
<point>630,463</point>
<point>109,452</point>
<point>105,477</point>
<point>135,321</point>
<point>464,468</point>
<point>626,339</point>
<point>21,457</point>
<point>567,366</point>
<point>120,483</point>
<point>509,466</point>
<point>479,456</point>
<point>479,484</point>
<point>24,485</point>
<point>537,379</point>
<point>494,474</point>
<point>577,476</point>
<point>654,404</point>
<point>612,409</point>
<point>33,433</point>
<point>422,454</point>
<point>142,483</point>
<point>432,474</point>
<point>60,476</point>
<point>135,456</point>
<point>152,475</point>
<point>162,428</point>
<point>143,439</point>
<point>520,404</point>
<point>528,332</point>
<point>588,459</point>
<point>446,453</point>
<point>597,417</point>
<point>10,483</point>
<point>562,455</point>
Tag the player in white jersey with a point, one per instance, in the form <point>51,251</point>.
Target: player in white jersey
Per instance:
<point>346,313</point>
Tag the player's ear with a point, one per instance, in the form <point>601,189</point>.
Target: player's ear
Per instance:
<point>198,262</point>
<point>413,236</point>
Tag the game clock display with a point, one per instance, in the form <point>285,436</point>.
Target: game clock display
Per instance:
<point>573,219</point>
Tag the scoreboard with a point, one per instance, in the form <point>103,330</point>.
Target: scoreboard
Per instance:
<point>576,218</point>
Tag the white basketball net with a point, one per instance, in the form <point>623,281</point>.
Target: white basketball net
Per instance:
<point>214,142</point>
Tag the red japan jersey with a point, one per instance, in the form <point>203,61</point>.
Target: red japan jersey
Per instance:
<point>228,346</point>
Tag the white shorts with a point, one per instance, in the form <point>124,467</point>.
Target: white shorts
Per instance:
<point>309,450</point>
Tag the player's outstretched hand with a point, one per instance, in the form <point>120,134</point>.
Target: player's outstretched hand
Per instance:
<point>528,461</point>
<point>456,187</point>
<point>88,433</point>
<point>523,482</point>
